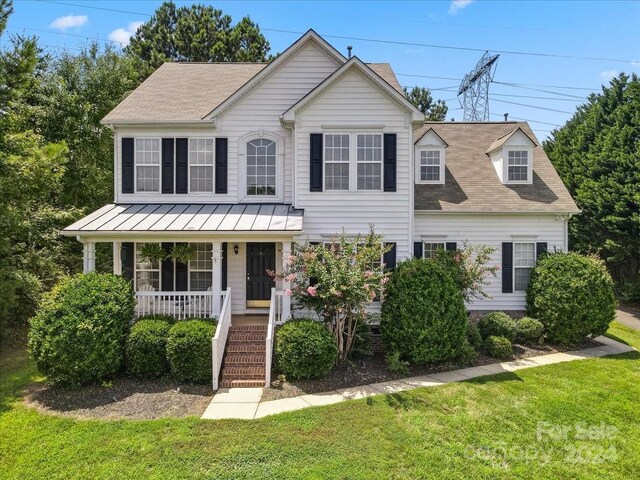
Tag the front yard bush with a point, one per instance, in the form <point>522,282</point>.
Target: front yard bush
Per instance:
<point>497,324</point>
<point>305,349</point>
<point>467,354</point>
<point>189,350</point>
<point>146,352</point>
<point>529,331</point>
<point>498,347</point>
<point>423,315</point>
<point>572,295</point>
<point>473,335</point>
<point>79,332</point>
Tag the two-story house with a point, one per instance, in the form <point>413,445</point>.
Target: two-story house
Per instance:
<point>243,159</point>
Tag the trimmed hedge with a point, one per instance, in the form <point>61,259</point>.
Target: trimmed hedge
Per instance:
<point>572,295</point>
<point>189,350</point>
<point>473,335</point>
<point>497,324</point>
<point>146,352</point>
<point>498,347</point>
<point>78,335</point>
<point>423,314</point>
<point>529,331</point>
<point>305,349</point>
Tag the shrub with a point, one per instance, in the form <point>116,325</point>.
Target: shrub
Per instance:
<point>362,340</point>
<point>189,350</point>
<point>305,349</point>
<point>529,331</point>
<point>572,295</point>
<point>146,351</point>
<point>467,354</point>
<point>497,324</point>
<point>20,295</point>
<point>164,318</point>
<point>423,314</point>
<point>395,365</point>
<point>79,332</point>
<point>498,347</point>
<point>473,335</point>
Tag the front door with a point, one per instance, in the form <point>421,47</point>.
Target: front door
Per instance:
<point>260,258</point>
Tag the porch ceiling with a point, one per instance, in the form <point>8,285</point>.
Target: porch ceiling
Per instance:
<point>186,217</point>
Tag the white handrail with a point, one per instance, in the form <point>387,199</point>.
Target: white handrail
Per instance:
<point>219,340</point>
<point>176,304</point>
<point>275,314</point>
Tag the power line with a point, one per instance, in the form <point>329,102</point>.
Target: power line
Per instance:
<point>528,120</point>
<point>533,106</point>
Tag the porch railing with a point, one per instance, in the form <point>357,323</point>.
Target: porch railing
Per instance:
<point>219,340</point>
<point>275,317</point>
<point>177,304</point>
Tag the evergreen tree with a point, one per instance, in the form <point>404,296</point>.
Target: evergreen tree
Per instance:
<point>422,99</point>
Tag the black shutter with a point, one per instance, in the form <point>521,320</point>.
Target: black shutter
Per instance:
<point>389,162</point>
<point>167,165</point>
<point>127,165</point>
<point>507,267</point>
<point>451,246</point>
<point>315,166</point>
<point>182,165</point>
<point>390,256</point>
<point>417,249</point>
<point>224,267</point>
<point>222,145</point>
<point>313,280</point>
<point>166,269</point>
<point>541,248</point>
<point>126,257</point>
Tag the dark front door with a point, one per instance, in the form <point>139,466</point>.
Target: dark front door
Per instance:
<point>260,258</point>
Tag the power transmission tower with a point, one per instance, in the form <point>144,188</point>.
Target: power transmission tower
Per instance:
<point>474,89</point>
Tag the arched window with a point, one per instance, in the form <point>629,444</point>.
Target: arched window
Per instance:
<point>261,167</point>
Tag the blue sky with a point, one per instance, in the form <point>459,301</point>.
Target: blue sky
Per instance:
<point>607,29</point>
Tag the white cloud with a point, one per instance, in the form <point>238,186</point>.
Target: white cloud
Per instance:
<point>123,35</point>
<point>608,74</point>
<point>458,5</point>
<point>69,21</point>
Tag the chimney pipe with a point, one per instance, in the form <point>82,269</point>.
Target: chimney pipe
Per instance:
<point>506,116</point>
<point>349,48</point>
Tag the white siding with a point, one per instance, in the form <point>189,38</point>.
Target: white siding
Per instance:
<point>355,101</point>
<point>492,230</point>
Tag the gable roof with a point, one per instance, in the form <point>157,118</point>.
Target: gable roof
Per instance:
<point>471,182</point>
<point>503,139</point>
<point>425,134</point>
<point>355,63</point>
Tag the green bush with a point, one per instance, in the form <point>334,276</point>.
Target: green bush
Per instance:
<point>305,349</point>
<point>79,332</point>
<point>473,335</point>
<point>189,350</point>
<point>497,324</point>
<point>423,314</point>
<point>572,295</point>
<point>467,354</point>
<point>362,341</point>
<point>164,318</point>
<point>529,331</point>
<point>20,295</point>
<point>395,365</point>
<point>146,351</point>
<point>498,347</point>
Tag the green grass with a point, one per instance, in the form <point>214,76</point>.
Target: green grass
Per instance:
<point>423,433</point>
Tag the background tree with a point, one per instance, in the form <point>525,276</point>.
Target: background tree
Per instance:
<point>422,99</point>
<point>597,154</point>
<point>196,33</point>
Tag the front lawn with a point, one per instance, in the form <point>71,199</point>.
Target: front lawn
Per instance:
<point>486,427</point>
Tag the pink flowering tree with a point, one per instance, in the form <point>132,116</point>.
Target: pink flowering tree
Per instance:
<point>337,281</point>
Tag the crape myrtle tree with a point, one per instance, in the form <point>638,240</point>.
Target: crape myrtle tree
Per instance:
<point>337,281</point>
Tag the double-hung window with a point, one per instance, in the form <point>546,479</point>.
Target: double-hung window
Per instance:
<point>518,166</point>
<point>261,167</point>
<point>201,164</point>
<point>353,161</point>
<point>430,166</point>
<point>369,159</point>
<point>200,267</point>
<point>147,162</point>
<point>524,259</point>
<point>336,162</point>
<point>431,248</point>
<point>147,272</point>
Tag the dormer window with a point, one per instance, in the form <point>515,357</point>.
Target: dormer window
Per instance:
<point>512,157</point>
<point>518,166</point>
<point>431,166</point>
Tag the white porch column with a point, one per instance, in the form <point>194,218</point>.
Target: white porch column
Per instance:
<point>117,261</point>
<point>89,257</point>
<point>286,299</point>
<point>216,287</point>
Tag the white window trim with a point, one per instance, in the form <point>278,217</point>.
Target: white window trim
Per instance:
<point>439,241</point>
<point>190,269</point>
<point>418,161</point>
<point>136,269</point>
<point>135,166</point>
<point>242,156</point>
<point>505,163</point>
<point>353,159</point>
<point>334,162</point>
<point>513,261</point>
<point>213,167</point>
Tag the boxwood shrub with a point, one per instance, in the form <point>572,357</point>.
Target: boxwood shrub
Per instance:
<point>305,348</point>
<point>473,335</point>
<point>423,315</point>
<point>529,331</point>
<point>572,295</point>
<point>79,332</point>
<point>497,324</point>
<point>498,347</point>
<point>189,350</point>
<point>146,352</point>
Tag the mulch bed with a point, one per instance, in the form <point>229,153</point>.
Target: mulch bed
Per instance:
<point>373,369</point>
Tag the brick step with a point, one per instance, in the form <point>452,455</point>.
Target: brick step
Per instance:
<point>242,372</point>
<point>249,348</point>
<point>240,359</point>
<point>227,383</point>
<point>246,337</point>
<point>248,328</point>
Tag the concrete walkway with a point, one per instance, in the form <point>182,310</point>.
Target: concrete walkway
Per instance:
<point>245,402</point>
<point>629,316</point>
